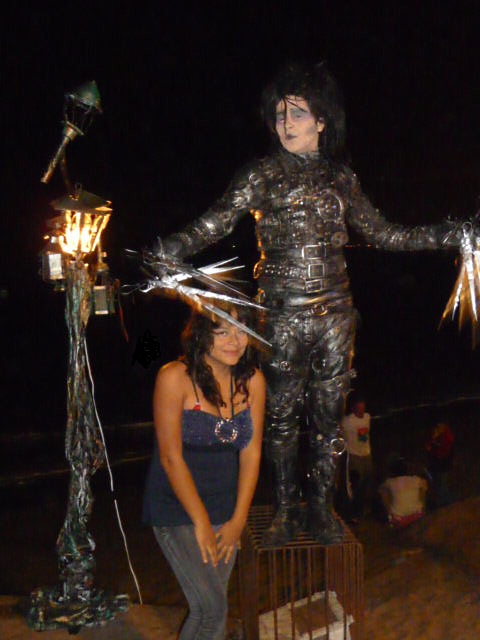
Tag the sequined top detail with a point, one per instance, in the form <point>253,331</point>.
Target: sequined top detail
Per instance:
<point>198,429</point>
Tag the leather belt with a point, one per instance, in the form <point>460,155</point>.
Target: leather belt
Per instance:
<point>305,252</point>
<point>305,270</point>
<point>321,303</point>
<point>319,250</point>
<point>286,286</point>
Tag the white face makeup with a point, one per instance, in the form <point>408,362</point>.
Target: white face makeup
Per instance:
<point>297,129</point>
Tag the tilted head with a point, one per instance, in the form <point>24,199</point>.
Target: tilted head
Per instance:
<point>317,88</point>
<point>208,341</point>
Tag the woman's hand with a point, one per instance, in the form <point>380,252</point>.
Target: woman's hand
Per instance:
<point>207,542</point>
<point>228,537</point>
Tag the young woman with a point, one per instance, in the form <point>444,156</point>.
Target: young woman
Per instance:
<point>208,414</point>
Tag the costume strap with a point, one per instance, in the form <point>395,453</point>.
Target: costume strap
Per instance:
<point>197,406</point>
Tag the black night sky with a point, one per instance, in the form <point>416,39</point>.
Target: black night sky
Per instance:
<point>180,91</point>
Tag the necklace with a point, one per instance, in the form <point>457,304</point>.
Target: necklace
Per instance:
<point>225,431</point>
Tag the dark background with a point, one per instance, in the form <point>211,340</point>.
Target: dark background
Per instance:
<point>180,91</point>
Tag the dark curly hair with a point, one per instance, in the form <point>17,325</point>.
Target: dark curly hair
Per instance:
<point>316,85</point>
<point>197,340</point>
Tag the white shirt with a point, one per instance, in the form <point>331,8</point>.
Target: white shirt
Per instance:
<point>356,432</point>
<point>406,494</point>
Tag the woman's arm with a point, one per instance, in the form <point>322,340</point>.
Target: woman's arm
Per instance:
<point>168,401</point>
<point>229,535</point>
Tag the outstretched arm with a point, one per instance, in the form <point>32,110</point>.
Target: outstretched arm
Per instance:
<point>381,233</point>
<point>244,193</point>
<point>229,535</point>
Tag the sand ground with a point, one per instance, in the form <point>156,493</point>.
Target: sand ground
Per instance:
<point>424,583</point>
<point>420,584</point>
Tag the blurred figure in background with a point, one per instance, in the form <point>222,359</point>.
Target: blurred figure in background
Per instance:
<point>356,431</point>
<point>440,448</point>
<point>403,495</point>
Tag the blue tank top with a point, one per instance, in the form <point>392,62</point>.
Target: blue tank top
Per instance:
<point>210,449</point>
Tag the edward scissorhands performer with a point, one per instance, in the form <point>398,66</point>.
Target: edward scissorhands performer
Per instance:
<point>303,197</point>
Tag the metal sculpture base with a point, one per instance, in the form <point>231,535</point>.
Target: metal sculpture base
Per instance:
<point>51,610</point>
<point>284,590</point>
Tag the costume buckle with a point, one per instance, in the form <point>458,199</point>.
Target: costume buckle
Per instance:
<point>316,270</point>
<point>310,251</point>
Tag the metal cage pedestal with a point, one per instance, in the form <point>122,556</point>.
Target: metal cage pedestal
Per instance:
<point>301,591</point>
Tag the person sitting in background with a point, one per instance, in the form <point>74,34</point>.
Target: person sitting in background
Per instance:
<point>440,449</point>
<point>356,431</point>
<point>403,495</point>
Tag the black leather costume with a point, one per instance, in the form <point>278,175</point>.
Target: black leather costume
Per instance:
<point>302,205</point>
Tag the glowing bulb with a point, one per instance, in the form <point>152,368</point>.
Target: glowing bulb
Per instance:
<point>82,231</point>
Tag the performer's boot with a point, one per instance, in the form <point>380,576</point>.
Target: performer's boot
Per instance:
<point>322,523</point>
<point>289,516</point>
<point>325,401</point>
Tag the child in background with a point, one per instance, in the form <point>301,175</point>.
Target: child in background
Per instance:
<point>440,450</point>
<point>356,431</point>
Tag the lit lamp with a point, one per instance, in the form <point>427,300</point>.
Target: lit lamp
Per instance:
<point>73,262</point>
<point>84,216</point>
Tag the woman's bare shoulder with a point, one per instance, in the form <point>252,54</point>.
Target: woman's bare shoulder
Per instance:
<point>257,381</point>
<point>172,373</point>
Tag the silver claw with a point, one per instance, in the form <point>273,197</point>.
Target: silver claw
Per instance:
<point>168,273</point>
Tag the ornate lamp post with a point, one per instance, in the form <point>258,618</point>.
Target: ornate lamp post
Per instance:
<point>80,107</point>
<point>71,261</point>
